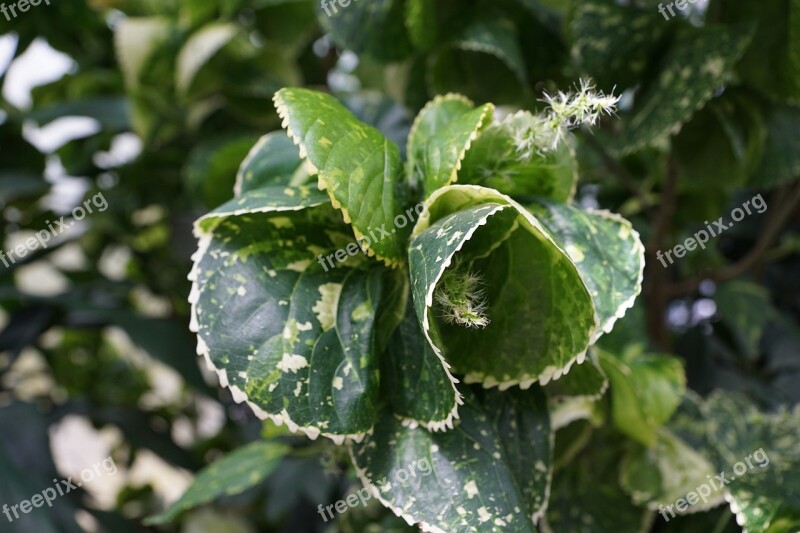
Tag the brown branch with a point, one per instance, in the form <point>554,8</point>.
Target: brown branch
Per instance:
<point>780,216</point>
<point>656,281</point>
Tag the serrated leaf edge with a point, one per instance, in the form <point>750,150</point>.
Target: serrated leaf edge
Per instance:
<point>488,113</point>
<point>362,476</point>
<point>239,396</point>
<point>283,113</point>
<point>622,309</point>
<point>526,380</point>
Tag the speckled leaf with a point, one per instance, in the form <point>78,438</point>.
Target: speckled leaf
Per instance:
<point>440,138</point>
<point>235,473</point>
<point>266,200</point>
<point>360,168</point>
<point>274,160</point>
<point>495,161</point>
<point>613,43</point>
<point>540,312</point>
<point>679,462</point>
<point>418,383</point>
<point>607,251</point>
<point>770,490</point>
<point>645,391</point>
<point>374,27</point>
<point>699,63</point>
<point>296,342</point>
<point>490,473</point>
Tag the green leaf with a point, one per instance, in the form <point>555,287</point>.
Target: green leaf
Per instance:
<point>772,62</point>
<point>358,166</point>
<point>607,251</point>
<point>440,138</point>
<point>645,391</point>
<point>498,37</point>
<point>418,382</point>
<point>295,340</point>
<point>586,380</point>
<point>199,49</point>
<point>613,44</point>
<point>667,471</point>
<point>212,166</point>
<point>767,489</point>
<point>698,64</point>
<point>487,49</point>
<point>375,28</point>
<point>781,161</point>
<point>497,160</point>
<point>235,473</point>
<point>274,160</point>
<point>745,308</point>
<point>586,497</point>
<point>490,473</point>
<point>540,312</point>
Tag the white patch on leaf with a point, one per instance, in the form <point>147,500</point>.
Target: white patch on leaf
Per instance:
<point>292,363</point>
<point>325,308</point>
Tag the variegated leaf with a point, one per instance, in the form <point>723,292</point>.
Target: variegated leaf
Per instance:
<point>296,341</point>
<point>420,386</point>
<point>360,168</point>
<point>490,473</point>
<point>540,313</point>
<point>699,63</point>
<point>440,138</point>
<point>765,494</point>
<point>607,251</point>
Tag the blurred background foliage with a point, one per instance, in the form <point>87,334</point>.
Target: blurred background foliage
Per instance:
<point>156,103</point>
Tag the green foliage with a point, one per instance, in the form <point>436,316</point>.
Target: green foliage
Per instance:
<point>426,275</point>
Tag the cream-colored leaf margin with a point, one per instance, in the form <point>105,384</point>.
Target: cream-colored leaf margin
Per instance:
<point>525,381</point>
<point>424,526</point>
<point>639,251</point>
<point>322,183</point>
<point>487,116</point>
<point>376,493</point>
<point>204,237</point>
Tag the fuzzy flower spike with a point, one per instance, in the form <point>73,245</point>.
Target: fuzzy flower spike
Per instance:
<point>543,132</point>
<point>462,299</point>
